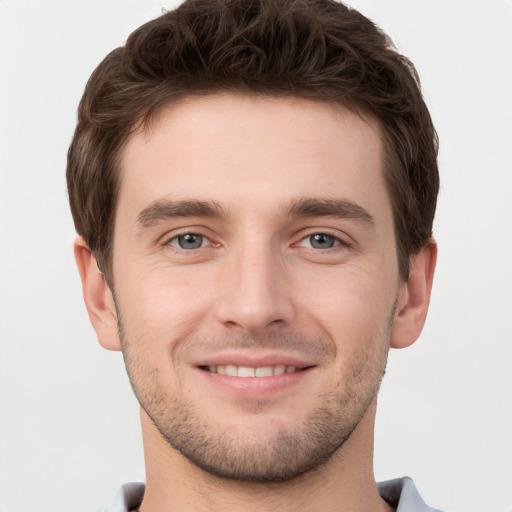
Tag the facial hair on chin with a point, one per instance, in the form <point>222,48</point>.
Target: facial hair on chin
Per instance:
<point>249,457</point>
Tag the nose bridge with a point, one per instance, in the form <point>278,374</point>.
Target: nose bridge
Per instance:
<point>255,295</point>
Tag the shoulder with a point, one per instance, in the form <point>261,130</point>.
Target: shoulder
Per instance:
<point>402,494</point>
<point>128,497</point>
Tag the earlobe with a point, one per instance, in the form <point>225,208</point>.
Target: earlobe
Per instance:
<point>97,297</point>
<point>414,298</point>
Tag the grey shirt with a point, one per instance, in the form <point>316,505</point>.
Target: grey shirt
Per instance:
<point>400,493</point>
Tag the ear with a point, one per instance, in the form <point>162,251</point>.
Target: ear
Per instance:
<point>97,296</point>
<point>414,298</point>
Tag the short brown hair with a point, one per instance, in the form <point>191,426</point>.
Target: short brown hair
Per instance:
<point>316,49</point>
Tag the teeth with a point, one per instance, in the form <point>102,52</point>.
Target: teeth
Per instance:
<point>231,370</point>
<point>279,370</point>
<point>264,371</point>
<point>247,371</point>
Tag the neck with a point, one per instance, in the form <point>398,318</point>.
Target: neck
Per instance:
<point>344,482</point>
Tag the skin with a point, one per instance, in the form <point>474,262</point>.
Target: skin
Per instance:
<point>255,180</point>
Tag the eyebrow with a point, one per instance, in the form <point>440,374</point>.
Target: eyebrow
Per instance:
<point>305,207</point>
<point>338,208</point>
<point>165,209</point>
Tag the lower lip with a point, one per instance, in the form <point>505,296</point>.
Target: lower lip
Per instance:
<point>256,385</point>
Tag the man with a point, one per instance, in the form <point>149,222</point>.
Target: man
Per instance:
<point>254,185</point>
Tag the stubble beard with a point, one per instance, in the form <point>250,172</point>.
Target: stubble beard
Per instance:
<point>247,456</point>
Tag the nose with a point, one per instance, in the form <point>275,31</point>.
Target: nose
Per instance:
<point>255,292</point>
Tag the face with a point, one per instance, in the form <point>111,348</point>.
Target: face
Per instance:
<point>256,280</point>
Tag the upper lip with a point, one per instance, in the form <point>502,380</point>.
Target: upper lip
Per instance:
<point>254,360</point>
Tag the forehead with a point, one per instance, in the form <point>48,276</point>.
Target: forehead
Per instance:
<point>247,150</point>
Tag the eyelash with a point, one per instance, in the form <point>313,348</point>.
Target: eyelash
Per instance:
<point>337,241</point>
<point>177,237</point>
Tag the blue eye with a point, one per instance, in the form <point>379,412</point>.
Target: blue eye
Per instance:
<point>322,241</point>
<point>188,241</point>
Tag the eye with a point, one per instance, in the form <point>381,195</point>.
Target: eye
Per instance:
<point>188,241</point>
<point>320,241</point>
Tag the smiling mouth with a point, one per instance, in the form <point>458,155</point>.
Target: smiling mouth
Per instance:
<point>247,371</point>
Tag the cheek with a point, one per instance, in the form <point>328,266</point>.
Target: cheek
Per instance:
<point>356,314</point>
<point>160,307</point>
<point>350,301</point>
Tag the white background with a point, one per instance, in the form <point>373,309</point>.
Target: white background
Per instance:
<point>69,431</point>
